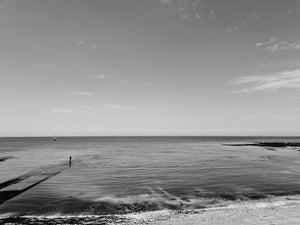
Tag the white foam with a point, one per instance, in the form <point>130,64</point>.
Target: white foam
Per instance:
<point>287,201</point>
<point>5,215</point>
<point>258,204</point>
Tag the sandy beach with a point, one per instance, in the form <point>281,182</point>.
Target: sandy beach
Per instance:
<point>288,215</point>
<point>280,211</point>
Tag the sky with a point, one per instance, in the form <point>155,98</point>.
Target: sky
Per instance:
<point>149,67</point>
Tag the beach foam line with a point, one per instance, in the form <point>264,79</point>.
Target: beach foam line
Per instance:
<point>277,211</point>
<point>276,202</point>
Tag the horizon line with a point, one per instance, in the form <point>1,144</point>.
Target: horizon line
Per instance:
<point>95,136</point>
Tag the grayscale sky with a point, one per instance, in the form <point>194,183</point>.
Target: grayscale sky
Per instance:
<point>149,67</point>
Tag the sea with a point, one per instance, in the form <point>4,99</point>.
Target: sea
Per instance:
<point>118,176</point>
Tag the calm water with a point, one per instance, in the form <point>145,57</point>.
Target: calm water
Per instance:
<point>124,174</point>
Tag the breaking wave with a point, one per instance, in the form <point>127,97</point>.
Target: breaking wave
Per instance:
<point>160,199</point>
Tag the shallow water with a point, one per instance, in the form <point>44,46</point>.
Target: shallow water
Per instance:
<point>126,174</point>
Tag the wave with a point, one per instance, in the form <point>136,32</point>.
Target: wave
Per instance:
<point>160,199</point>
<point>155,199</point>
<point>155,216</point>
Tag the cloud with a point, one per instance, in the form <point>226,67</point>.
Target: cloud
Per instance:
<point>186,9</point>
<point>123,76</point>
<point>80,43</point>
<point>198,15</point>
<point>283,45</point>
<point>122,81</point>
<point>182,2</point>
<point>88,44</point>
<point>81,93</point>
<point>211,15</point>
<point>268,42</point>
<point>184,16</point>
<point>98,76</point>
<point>281,80</point>
<point>230,28</point>
<point>275,45</point>
<point>166,1</point>
<point>254,16</point>
<point>94,45</point>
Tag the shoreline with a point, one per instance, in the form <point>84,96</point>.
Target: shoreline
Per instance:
<point>278,210</point>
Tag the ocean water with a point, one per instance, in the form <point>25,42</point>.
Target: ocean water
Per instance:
<point>120,175</point>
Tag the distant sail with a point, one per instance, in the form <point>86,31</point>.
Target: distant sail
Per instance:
<point>55,137</point>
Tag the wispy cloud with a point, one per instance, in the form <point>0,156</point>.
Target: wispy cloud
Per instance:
<point>211,14</point>
<point>98,76</point>
<point>182,2</point>
<point>81,93</point>
<point>147,83</point>
<point>87,43</point>
<point>280,80</point>
<point>230,28</point>
<point>166,1</point>
<point>169,59</point>
<point>124,76</point>
<point>272,40</point>
<point>254,16</point>
<point>187,9</point>
<point>275,45</point>
<point>122,81</point>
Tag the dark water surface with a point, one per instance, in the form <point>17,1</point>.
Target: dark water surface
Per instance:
<point>126,174</point>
